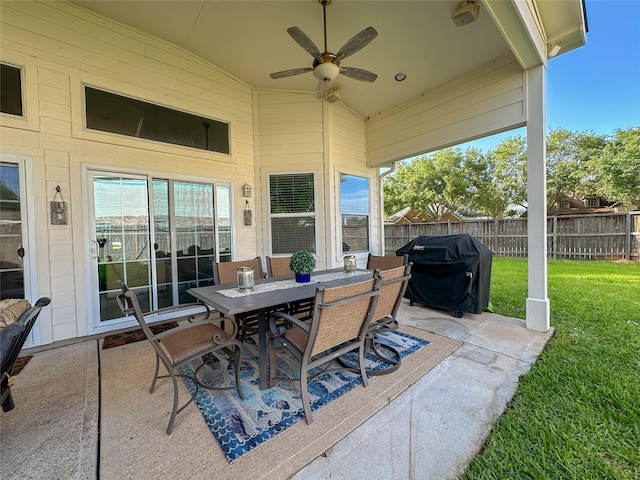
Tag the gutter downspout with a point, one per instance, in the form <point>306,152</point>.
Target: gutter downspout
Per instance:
<point>381,176</point>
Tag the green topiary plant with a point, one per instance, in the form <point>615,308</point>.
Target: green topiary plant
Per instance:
<point>302,262</point>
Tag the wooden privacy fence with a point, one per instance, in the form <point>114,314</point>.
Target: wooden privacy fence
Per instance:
<point>597,236</point>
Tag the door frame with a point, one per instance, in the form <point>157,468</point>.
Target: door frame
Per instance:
<point>91,248</point>
<point>27,214</point>
<point>94,326</point>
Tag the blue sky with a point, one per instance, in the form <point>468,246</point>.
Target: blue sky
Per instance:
<point>595,88</point>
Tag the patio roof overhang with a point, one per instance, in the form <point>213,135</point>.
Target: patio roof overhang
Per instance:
<point>248,40</point>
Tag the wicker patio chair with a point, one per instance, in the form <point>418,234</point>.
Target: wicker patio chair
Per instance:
<point>339,325</point>
<point>378,262</point>
<point>179,346</point>
<point>12,339</point>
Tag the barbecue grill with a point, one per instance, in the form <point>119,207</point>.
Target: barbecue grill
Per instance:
<point>450,272</point>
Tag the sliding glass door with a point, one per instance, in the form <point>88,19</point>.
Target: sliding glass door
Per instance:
<point>160,236</point>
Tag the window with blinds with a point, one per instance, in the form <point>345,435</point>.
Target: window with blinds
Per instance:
<point>354,211</point>
<point>292,213</point>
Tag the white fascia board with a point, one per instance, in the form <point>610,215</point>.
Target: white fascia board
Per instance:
<point>521,29</point>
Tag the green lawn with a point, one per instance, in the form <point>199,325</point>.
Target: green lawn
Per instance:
<point>576,414</point>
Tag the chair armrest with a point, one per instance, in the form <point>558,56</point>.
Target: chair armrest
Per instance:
<point>125,308</point>
<point>177,308</point>
<point>278,330</point>
<point>217,338</point>
<point>230,337</point>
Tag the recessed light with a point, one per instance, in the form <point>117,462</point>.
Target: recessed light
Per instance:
<point>400,76</point>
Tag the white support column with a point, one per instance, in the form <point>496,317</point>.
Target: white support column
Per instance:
<point>537,301</point>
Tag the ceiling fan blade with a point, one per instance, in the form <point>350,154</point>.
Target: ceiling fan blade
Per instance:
<point>322,88</point>
<point>358,74</point>
<point>305,42</point>
<point>358,42</point>
<point>290,73</point>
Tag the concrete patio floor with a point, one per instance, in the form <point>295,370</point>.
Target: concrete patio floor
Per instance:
<point>429,431</point>
<point>436,427</point>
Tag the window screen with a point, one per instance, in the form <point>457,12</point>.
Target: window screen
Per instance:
<point>292,213</point>
<point>10,90</point>
<point>113,113</point>
<point>354,212</point>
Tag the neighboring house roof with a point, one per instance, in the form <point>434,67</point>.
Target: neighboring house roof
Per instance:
<point>407,215</point>
<point>411,215</point>
<point>450,217</point>
<point>574,206</point>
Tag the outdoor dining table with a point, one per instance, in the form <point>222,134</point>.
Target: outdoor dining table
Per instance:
<point>269,293</point>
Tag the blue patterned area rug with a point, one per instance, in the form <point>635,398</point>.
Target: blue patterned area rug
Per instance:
<point>239,426</point>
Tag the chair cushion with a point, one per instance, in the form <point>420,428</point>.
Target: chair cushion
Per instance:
<point>11,309</point>
<point>182,344</point>
<point>297,337</point>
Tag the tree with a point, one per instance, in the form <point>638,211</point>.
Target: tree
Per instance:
<point>436,184</point>
<point>579,164</point>
<point>481,197</point>
<point>618,167</point>
<point>507,165</point>
<point>465,183</point>
<point>569,171</point>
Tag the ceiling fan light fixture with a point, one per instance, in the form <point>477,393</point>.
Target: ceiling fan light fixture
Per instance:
<point>326,72</point>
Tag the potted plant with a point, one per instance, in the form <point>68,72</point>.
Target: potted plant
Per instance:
<point>302,264</point>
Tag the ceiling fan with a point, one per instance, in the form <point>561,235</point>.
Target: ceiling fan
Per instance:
<point>326,65</point>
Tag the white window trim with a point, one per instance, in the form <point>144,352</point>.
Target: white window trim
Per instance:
<point>314,215</point>
<point>30,118</point>
<point>30,267</point>
<point>144,93</point>
<point>340,213</point>
<point>91,251</point>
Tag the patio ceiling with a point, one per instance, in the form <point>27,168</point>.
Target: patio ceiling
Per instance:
<point>249,40</point>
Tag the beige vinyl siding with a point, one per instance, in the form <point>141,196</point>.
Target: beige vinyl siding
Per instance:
<point>348,155</point>
<point>61,250</point>
<point>348,137</point>
<point>490,101</point>
<point>290,130</point>
<point>54,102</point>
<point>296,133</point>
<point>62,47</point>
<point>290,139</point>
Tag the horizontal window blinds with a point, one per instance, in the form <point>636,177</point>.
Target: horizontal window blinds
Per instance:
<point>292,209</point>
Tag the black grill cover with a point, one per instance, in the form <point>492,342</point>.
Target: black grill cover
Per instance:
<point>451,272</point>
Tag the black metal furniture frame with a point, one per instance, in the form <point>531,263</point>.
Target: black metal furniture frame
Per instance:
<point>339,325</point>
<point>11,342</point>
<point>179,346</point>
<point>264,303</point>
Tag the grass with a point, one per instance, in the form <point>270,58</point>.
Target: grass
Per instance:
<point>576,414</point>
